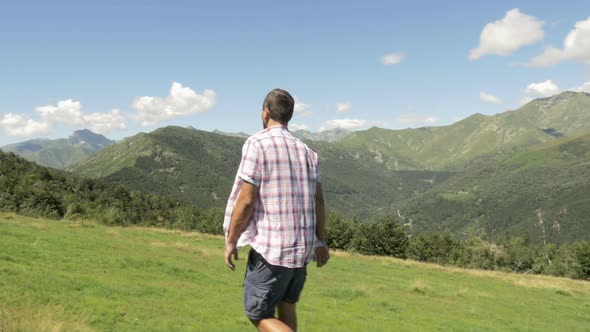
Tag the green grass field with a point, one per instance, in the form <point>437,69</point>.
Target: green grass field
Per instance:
<point>82,276</point>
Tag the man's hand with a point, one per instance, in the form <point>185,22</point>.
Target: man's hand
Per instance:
<point>322,255</point>
<point>231,250</point>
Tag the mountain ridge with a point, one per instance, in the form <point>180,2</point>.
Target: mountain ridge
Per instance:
<point>449,147</point>
<point>62,152</point>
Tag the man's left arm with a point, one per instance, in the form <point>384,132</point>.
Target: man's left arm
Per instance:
<point>239,220</point>
<point>322,252</point>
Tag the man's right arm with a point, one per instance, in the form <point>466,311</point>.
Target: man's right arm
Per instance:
<point>322,253</point>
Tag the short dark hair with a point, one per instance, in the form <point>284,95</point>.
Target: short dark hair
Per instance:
<point>280,104</point>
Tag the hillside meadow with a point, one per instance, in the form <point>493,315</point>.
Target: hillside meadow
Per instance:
<point>84,276</point>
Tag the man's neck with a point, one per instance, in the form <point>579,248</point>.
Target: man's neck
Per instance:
<point>273,123</point>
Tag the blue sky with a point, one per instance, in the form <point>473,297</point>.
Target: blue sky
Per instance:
<point>121,67</point>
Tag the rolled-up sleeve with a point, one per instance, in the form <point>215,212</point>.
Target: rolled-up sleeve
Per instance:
<point>250,166</point>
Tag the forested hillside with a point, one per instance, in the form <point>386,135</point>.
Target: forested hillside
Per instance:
<point>29,189</point>
<point>186,164</point>
<point>199,167</point>
<point>543,192</point>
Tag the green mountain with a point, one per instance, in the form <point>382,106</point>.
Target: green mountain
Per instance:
<point>60,153</point>
<point>451,147</point>
<point>543,192</point>
<point>199,167</point>
<point>380,171</point>
<point>186,164</point>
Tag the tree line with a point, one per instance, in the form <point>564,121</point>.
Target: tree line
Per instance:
<point>387,237</point>
<point>29,189</point>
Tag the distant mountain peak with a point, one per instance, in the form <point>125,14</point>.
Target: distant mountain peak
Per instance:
<point>87,133</point>
<point>86,136</point>
<point>84,131</point>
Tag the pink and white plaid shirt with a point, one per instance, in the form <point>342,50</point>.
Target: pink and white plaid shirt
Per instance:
<point>286,172</point>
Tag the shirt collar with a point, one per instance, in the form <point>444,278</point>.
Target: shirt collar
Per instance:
<point>280,126</point>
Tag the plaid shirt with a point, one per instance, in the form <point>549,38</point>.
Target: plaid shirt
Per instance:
<point>286,172</point>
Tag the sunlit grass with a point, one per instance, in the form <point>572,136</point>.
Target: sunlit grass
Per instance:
<point>79,276</point>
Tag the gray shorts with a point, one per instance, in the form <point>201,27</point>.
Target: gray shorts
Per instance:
<point>266,285</point>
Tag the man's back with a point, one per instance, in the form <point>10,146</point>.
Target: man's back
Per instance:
<point>283,224</point>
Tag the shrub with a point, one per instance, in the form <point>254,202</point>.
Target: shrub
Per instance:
<point>384,238</point>
<point>438,248</point>
<point>582,254</point>
<point>339,232</point>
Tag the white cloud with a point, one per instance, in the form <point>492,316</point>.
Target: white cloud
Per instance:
<point>344,124</point>
<point>180,101</point>
<point>489,98</point>
<point>392,58</point>
<point>22,126</point>
<point>577,42</point>
<point>294,126</point>
<point>542,89</point>
<point>66,111</point>
<point>582,88</point>
<point>549,57</point>
<point>350,124</point>
<point>415,119</point>
<point>301,107</point>
<point>576,46</point>
<point>343,107</point>
<point>507,35</point>
<point>103,123</point>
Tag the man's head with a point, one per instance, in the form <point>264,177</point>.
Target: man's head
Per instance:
<point>278,106</point>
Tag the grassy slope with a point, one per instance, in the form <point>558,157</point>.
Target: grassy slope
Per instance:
<point>113,158</point>
<point>84,276</point>
<point>566,112</point>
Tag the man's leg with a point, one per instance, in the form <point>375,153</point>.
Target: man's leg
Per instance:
<point>271,325</point>
<point>286,307</point>
<point>288,315</point>
<point>264,286</point>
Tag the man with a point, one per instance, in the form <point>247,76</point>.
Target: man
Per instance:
<point>277,207</point>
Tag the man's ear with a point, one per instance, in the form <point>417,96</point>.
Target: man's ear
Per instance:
<point>265,114</point>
